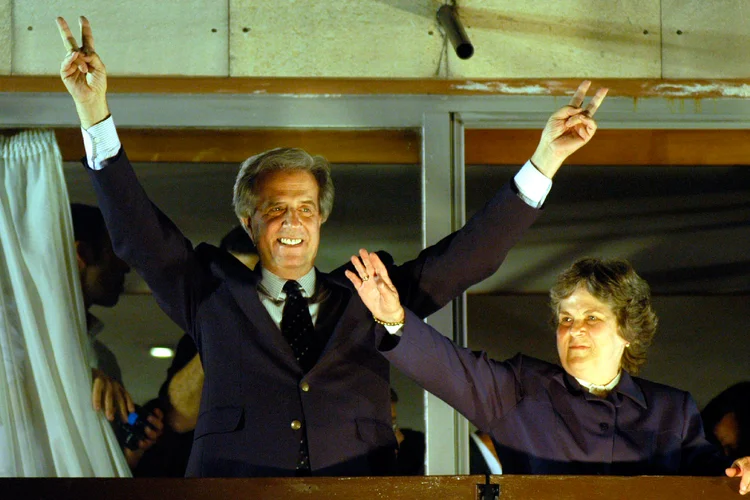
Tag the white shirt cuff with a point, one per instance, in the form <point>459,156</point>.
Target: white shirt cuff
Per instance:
<point>533,186</point>
<point>101,143</point>
<point>395,330</point>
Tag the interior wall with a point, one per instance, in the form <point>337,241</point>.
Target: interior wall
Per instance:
<point>685,229</point>
<point>387,38</point>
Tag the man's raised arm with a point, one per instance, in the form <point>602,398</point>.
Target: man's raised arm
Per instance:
<point>473,253</point>
<point>141,235</point>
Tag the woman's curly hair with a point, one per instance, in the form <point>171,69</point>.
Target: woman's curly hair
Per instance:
<point>615,283</point>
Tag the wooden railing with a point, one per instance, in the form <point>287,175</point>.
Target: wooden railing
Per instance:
<point>371,488</point>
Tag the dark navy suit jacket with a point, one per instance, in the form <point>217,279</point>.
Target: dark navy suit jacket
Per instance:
<point>254,388</point>
<point>544,422</point>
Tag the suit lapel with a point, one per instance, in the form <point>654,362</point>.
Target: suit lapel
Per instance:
<point>336,315</point>
<point>243,284</point>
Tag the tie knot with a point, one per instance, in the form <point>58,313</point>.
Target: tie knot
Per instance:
<point>291,287</point>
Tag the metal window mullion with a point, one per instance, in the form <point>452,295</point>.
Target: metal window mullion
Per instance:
<point>442,212</point>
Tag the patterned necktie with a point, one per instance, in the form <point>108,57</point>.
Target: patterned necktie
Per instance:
<point>297,327</point>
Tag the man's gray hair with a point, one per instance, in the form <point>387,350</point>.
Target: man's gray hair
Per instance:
<point>246,186</point>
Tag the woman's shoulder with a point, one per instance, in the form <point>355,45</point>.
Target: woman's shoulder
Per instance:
<point>656,391</point>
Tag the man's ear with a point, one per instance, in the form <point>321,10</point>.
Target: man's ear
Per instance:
<point>248,228</point>
<point>84,256</point>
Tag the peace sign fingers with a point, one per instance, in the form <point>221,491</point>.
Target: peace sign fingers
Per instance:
<point>577,100</point>
<point>83,73</point>
<point>67,36</point>
<point>87,36</point>
<point>596,101</point>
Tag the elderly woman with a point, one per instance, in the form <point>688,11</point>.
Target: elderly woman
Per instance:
<point>589,416</point>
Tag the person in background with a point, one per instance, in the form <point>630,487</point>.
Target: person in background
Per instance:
<point>726,420</point>
<point>411,445</point>
<point>102,276</point>
<point>482,455</point>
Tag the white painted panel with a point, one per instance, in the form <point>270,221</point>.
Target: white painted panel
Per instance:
<point>560,38</point>
<point>133,37</point>
<point>5,36</point>
<point>342,38</point>
<point>706,39</point>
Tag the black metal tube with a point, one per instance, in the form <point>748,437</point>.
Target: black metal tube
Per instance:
<point>448,19</point>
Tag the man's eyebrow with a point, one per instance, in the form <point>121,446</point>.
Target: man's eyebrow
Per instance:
<point>270,203</point>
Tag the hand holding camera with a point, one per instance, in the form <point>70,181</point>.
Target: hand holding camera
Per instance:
<point>143,425</point>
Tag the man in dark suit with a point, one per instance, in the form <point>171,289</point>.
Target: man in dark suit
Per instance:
<point>294,384</point>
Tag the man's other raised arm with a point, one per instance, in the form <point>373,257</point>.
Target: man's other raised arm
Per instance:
<point>473,253</point>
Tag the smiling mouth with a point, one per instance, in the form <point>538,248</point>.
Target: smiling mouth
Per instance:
<point>290,241</point>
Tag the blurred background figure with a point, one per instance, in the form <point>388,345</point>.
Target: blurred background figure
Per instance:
<point>726,420</point>
<point>102,278</point>
<point>482,454</point>
<point>411,445</point>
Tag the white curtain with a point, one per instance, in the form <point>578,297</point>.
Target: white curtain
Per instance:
<point>47,424</point>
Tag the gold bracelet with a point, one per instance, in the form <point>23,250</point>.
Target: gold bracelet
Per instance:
<point>387,323</point>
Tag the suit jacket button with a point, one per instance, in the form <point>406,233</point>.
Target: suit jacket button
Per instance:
<point>296,425</point>
<point>305,387</point>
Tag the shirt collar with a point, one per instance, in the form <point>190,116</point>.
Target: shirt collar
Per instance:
<point>596,388</point>
<point>273,285</point>
<point>628,387</point>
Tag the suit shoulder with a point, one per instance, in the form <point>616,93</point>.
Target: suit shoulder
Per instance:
<point>533,374</point>
<point>206,250</point>
<point>656,391</point>
<point>338,273</point>
<point>220,263</point>
<point>535,366</point>
<point>656,387</point>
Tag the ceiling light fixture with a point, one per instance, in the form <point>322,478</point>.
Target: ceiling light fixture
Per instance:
<point>161,352</point>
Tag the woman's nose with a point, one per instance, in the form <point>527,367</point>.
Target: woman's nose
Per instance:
<point>578,328</point>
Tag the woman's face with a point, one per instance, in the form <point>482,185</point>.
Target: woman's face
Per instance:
<point>588,340</point>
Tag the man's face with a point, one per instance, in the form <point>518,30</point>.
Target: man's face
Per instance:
<point>588,340</point>
<point>286,223</point>
<point>102,278</point>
